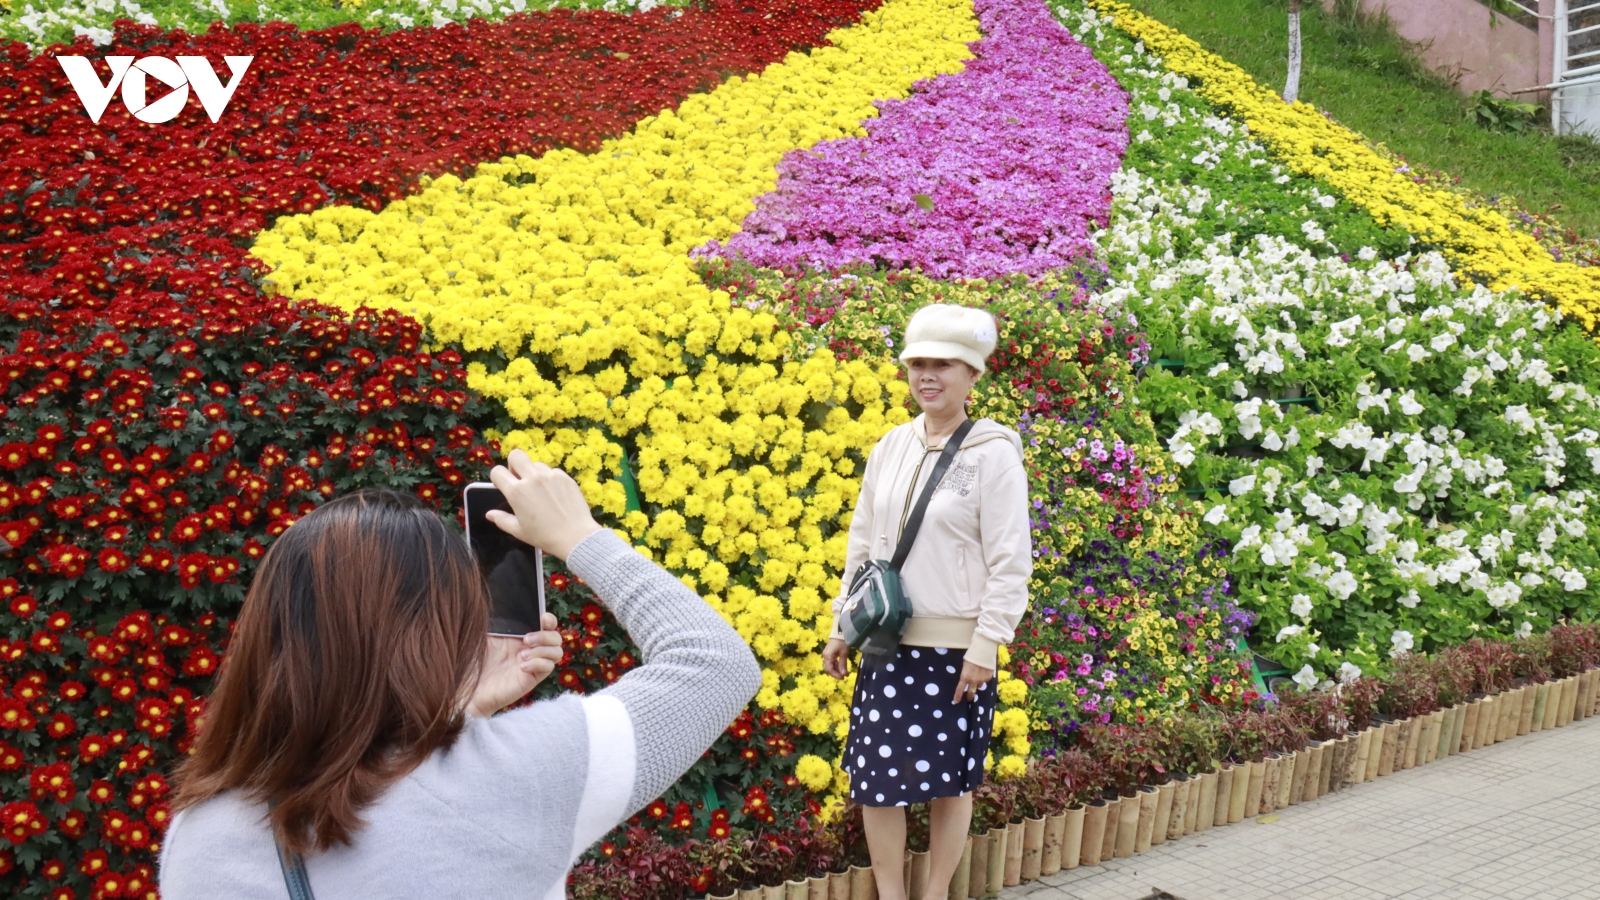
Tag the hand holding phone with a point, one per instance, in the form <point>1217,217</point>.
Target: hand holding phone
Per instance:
<point>548,509</point>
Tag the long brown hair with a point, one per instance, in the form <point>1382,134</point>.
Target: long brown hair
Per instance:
<point>358,643</point>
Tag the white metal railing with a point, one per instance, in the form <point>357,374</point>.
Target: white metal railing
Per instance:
<point>1575,87</point>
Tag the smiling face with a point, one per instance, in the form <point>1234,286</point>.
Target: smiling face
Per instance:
<point>941,386</point>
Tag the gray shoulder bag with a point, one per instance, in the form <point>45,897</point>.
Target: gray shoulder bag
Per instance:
<point>876,609</point>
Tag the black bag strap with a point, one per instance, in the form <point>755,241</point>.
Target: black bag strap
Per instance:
<point>294,874</point>
<point>914,523</point>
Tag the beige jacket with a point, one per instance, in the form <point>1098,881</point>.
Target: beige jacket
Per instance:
<point>967,575</point>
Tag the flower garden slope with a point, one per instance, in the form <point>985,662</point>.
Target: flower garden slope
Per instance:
<point>1480,242</point>
<point>1396,502</point>
<point>568,280</point>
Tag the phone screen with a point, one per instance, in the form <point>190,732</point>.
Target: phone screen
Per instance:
<point>514,570</point>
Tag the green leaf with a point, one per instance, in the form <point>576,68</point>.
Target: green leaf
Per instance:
<point>923,200</point>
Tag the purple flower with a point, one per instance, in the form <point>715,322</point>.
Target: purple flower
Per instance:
<point>996,170</point>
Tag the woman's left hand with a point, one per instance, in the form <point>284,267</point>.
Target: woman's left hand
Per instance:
<point>514,666</point>
<point>973,677</point>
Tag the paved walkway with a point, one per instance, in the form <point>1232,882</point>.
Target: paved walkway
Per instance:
<point>1513,821</point>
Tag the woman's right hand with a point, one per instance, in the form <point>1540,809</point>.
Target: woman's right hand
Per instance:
<point>836,658</point>
<point>548,509</point>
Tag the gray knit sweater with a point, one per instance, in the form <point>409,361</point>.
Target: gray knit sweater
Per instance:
<point>507,809</point>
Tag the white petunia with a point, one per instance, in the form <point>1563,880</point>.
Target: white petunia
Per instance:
<point>1348,672</point>
<point>1217,515</point>
<point>1306,678</point>
<point>1289,631</point>
<point>1410,599</point>
<point>1400,643</point>
<point>1301,606</point>
<point>1241,486</point>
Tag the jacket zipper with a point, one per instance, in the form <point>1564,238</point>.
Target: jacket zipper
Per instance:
<point>905,511</point>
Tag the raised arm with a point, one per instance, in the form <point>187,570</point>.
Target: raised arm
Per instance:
<point>647,729</point>
<point>697,676</point>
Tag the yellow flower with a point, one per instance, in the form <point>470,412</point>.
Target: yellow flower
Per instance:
<point>814,772</point>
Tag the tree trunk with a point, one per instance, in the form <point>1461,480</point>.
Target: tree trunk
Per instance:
<point>1291,88</point>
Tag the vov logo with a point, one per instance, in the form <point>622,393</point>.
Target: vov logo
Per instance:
<point>186,72</point>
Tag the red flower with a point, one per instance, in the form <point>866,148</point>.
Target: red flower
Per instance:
<point>108,885</point>
<point>114,560</point>
<point>756,805</point>
<point>10,757</point>
<point>23,606</point>
<point>682,818</point>
<point>53,781</point>
<point>73,823</point>
<point>15,716</point>
<point>719,824</point>
<point>15,455</point>
<point>200,661</point>
<point>45,642</point>
<point>20,821</point>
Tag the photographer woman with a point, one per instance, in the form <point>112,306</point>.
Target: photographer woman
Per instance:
<point>920,721</point>
<point>350,722</point>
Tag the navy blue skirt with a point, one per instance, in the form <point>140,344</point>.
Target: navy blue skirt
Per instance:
<point>908,743</point>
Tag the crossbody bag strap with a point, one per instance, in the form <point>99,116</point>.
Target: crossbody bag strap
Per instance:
<point>914,523</point>
<point>294,874</point>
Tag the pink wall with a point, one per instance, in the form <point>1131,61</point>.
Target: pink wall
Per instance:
<point>1458,37</point>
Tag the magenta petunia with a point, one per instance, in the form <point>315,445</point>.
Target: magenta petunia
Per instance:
<point>998,169</point>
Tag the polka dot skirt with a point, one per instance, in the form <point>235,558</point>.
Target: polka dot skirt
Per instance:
<point>908,743</point>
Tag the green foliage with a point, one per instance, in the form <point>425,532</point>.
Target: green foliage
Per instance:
<point>1489,111</point>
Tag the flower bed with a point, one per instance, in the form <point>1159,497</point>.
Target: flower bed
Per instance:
<point>1356,424</point>
<point>1479,241</point>
<point>934,187</point>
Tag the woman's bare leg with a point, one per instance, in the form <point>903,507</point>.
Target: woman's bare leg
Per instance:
<point>886,841</point>
<point>948,821</point>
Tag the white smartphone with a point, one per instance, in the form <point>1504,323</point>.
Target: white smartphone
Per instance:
<point>514,570</point>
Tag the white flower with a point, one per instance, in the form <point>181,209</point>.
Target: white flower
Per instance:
<point>1313,231</point>
<point>1326,202</point>
<point>1525,629</point>
<point>1239,486</point>
<point>1217,515</point>
<point>1217,369</point>
<point>1301,606</point>
<point>101,36</point>
<point>1314,464</point>
<point>1409,404</point>
<point>1366,254</point>
<point>1312,650</point>
<point>1410,599</point>
<point>1341,584</point>
<point>1401,643</point>
<point>1306,678</point>
<point>1348,672</point>
<point>1573,580</point>
<point>1289,631</point>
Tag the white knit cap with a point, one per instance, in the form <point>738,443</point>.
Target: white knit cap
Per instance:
<point>945,331</point>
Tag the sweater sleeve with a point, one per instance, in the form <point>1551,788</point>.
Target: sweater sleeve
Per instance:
<point>697,673</point>
<point>859,548</point>
<point>1008,556</point>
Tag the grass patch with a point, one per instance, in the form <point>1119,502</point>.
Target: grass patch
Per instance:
<point>1369,80</point>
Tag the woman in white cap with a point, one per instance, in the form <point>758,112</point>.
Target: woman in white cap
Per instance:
<point>921,718</point>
